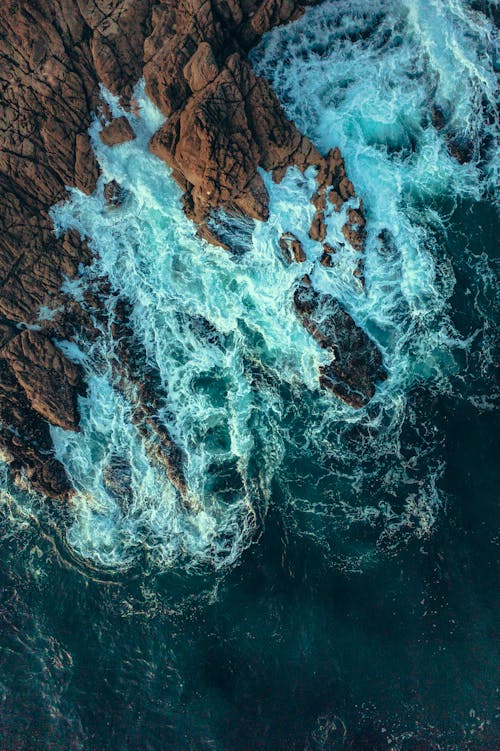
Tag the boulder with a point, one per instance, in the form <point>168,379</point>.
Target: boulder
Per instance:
<point>118,131</point>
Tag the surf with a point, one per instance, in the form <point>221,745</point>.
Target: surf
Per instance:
<point>238,372</point>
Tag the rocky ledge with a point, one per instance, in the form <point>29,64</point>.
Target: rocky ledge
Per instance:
<point>224,123</point>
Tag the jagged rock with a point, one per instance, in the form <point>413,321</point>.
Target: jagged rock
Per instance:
<point>354,229</point>
<point>326,260</point>
<point>224,123</point>
<point>118,131</point>
<point>49,380</point>
<point>317,230</point>
<point>346,189</point>
<point>113,194</point>
<point>336,200</point>
<point>86,166</point>
<point>357,365</point>
<point>291,247</point>
<point>254,201</point>
<point>53,55</point>
<point>202,68</point>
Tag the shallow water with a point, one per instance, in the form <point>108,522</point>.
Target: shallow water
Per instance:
<point>330,581</point>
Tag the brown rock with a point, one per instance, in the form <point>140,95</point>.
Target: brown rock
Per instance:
<point>224,123</point>
<point>357,364</point>
<point>53,55</point>
<point>86,166</point>
<point>317,231</point>
<point>254,201</point>
<point>291,247</point>
<point>202,68</point>
<point>326,260</point>
<point>117,132</point>
<point>318,200</point>
<point>298,251</point>
<point>49,380</point>
<point>113,194</point>
<point>346,189</point>
<point>335,199</point>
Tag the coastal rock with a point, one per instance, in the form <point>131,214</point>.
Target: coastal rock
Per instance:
<point>223,121</point>
<point>224,124</point>
<point>49,380</point>
<point>317,230</point>
<point>201,69</point>
<point>291,247</point>
<point>118,131</point>
<point>53,56</point>
<point>326,260</point>
<point>113,194</point>
<point>354,229</point>
<point>357,364</point>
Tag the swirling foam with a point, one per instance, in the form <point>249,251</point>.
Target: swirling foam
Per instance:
<point>245,405</point>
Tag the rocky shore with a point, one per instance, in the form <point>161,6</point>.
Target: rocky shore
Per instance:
<point>223,124</point>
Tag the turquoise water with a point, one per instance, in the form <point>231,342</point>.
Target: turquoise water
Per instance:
<point>328,580</point>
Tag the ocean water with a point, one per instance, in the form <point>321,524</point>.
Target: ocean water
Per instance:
<point>328,579</point>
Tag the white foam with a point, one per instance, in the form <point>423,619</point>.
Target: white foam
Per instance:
<point>241,406</point>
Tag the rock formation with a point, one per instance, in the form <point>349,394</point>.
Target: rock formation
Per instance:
<point>357,362</point>
<point>224,123</point>
<point>53,55</point>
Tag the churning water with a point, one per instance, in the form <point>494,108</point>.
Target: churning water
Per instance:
<point>242,402</point>
<point>399,86</point>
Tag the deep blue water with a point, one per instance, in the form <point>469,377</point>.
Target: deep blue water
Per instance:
<point>334,584</point>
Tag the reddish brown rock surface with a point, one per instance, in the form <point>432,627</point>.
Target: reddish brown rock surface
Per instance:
<point>53,55</point>
<point>291,247</point>
<point>116,132</point>
<point>223,121</point>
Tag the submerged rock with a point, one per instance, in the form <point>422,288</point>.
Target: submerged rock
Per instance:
<point>292,249</point>
<point>113,194</point>
<point>357,363</point>
<point>326,260</point>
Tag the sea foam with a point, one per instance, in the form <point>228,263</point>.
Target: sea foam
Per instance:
<point>245,405</point>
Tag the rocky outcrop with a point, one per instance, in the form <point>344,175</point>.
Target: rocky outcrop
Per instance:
<point>357,365</point>
<point>224,123</point>
<point>292,248</point>
<point>53,55</point>
<point>113,194</point>
<point>49,380</point>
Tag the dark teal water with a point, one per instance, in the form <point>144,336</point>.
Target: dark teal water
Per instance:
<point>290,649</point>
